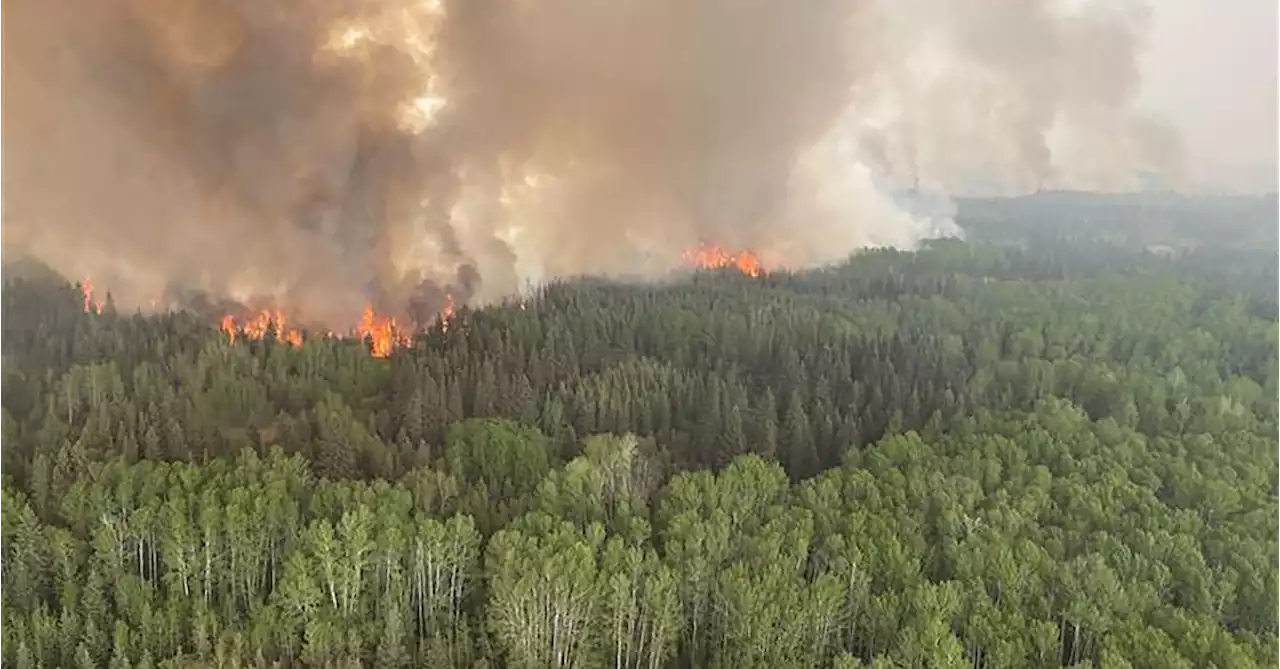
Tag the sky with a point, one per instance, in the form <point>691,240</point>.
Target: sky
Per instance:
<point>142,136</point>
<point>1210,71</point>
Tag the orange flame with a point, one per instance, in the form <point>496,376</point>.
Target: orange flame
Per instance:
<point>710,256</point>
<point>446,314</point>
<point>256,327</point>
<point>86,287</point>
<point>382,331</point>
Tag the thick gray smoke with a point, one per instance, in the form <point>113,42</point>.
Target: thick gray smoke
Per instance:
<point>322,154</point>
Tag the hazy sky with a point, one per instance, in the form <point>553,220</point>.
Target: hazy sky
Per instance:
<point>1211,72</point>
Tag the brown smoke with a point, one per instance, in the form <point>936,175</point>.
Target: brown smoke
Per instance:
<point>321,154</point>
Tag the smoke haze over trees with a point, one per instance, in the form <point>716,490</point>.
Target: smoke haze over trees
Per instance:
<point>546,333</point>
<point>1028,451</point>
<point>324,154</point>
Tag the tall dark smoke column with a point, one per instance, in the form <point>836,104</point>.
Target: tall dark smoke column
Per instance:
<point>324,154</point>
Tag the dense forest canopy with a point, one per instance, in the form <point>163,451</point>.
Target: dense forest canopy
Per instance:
<point>1048,445</point>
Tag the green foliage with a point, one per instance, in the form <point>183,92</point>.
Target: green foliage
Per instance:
<point>973,455</point>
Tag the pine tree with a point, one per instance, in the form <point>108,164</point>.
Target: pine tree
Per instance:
<point>797,440</point>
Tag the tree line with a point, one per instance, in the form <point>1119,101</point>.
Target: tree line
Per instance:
<point>1050,454</point>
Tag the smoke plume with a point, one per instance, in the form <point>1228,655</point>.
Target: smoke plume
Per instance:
<point>324,154</point>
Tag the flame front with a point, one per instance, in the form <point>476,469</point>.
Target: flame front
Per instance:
<point>382,332</point>
<point>446,314</point>
<point>90,306</point>
<point>257,326</point>
<point>711,256</point>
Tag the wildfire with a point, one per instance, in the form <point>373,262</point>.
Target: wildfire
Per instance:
<point>385,335</point>
<point>410,28</point>
<point>382,331</point>
<point>446,314</point>
<point>256,327</point>
<point>90,306</point>
<point>710,256</point>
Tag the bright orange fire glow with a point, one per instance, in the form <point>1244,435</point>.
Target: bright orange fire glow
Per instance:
<point>86,287</point>
<point>382,331</point>
<point>710,256</point>
<point>446,314</point>
<point>256,327</point>
<point>385,335</point>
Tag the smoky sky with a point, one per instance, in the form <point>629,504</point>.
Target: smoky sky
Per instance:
<point>1211,70</point>
<point>323,154</point>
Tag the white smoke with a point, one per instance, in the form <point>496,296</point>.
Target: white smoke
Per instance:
<point>322,154</point>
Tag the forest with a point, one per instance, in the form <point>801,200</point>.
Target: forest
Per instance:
<point>1040,447</point>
